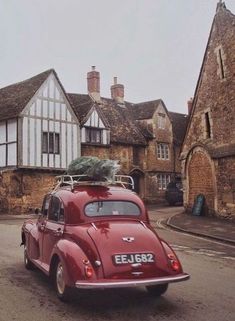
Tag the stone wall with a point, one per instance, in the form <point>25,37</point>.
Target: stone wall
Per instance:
<point>226,187</point>
<point>22,191</point>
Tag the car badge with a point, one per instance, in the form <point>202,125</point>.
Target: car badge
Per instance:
<point>128,239</point>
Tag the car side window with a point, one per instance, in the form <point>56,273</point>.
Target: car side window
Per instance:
<point>56,210</point>
<point>45,205</point>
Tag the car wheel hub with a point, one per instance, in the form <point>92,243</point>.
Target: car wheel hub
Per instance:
<point>60,279</point>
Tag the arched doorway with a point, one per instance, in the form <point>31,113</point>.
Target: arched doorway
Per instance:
<point>200,178</point>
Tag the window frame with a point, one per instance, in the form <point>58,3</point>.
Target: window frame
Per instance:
<point>50,143</point>
<point>163,151</point>
<point>91,133</point>
<point>112,212</point>
<point>163,180</point>
<point>60,215</point>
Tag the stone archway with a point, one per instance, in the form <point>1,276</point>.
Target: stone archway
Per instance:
<point>200,178</point>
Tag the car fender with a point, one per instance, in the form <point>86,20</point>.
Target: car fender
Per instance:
<point>73,259</point>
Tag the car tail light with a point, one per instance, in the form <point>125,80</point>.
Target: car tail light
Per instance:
<point>88,271</point>
<point>174,263</point>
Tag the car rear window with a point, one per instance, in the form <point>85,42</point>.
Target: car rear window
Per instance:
<point>106,208</point>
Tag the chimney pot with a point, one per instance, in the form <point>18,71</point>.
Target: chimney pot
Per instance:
<point>117,91</point>
<point>190,105</point>
<point>93,84</point>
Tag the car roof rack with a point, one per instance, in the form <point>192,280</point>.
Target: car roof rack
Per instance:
<point>73,180</point>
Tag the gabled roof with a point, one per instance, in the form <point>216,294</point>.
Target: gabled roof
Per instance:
<point>179,126</point>
<point>82,106</point>
<point>145,130</point>
<point>14,98</point>
<point>115,116</point>
<point>145,110</point>
<point>120,119</point>
<point>225,15</point>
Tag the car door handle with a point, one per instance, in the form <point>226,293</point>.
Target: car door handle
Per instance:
<point>42,227</point>
<point>58,232</point>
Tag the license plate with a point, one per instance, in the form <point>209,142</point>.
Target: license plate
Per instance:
<point>133,258</point>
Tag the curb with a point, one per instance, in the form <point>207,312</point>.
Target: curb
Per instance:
<point>17,217</point>
<point>211,237</point>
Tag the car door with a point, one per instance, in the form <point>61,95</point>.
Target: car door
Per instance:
<point>41,224</point>
<point>54,228</point>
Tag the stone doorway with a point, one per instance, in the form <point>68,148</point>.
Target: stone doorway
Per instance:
<point>138,178</point>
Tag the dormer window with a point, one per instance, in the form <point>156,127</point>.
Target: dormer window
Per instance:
<point>93,135</point>
<point>161,121</point>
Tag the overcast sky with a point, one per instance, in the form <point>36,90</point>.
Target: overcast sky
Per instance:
<point>154,47</point>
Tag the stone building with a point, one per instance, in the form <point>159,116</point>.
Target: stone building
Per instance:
<point>43,128</point>
<point>145,137</point>
<point>164,132</point>
<point>208,151</point>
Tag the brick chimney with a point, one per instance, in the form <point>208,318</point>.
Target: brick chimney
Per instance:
<point>190,105</point>
<point>117,91</point>
<point>93,84</point>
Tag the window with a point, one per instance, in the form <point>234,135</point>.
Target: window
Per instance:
<point>221,63</point>
<point>56,211</point>
<point>161,121</point>
<point>162,151</point>
<point>94,135</point>
<point>50,143</point>
<point>163,180</point>
<point>207,125</point>
<point>45,205</point>
<point>105,208</point>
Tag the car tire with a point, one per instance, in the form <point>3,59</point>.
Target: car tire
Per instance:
<point>27,263</point>
<point>157,290</point>
<point>64,292</point>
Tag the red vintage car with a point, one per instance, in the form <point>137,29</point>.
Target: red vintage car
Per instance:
<point>92,235</point>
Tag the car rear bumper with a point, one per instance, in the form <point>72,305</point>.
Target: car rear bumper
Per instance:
<point>109,283</point>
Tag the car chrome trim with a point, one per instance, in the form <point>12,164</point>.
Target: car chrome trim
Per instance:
<point>95,227</point>
<point>128,239</point>
<point>143,224</point>
<point>134,265</point>
<point>130,283</point>
<point>137,273</point>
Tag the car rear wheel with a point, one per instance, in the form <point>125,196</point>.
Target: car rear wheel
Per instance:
<point>63,291</point>
<point>157,290</point>
<point>27,263</point>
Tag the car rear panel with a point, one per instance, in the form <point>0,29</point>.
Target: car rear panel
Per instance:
<point>129,250</point>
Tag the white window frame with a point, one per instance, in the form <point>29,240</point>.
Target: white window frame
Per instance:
<point>163,180</point>
<point>50,143</point>
<point>94,135</point>
<point>162,151</point>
